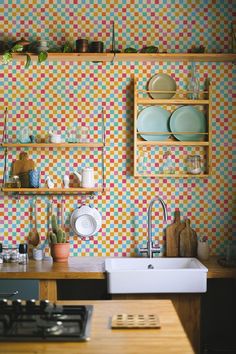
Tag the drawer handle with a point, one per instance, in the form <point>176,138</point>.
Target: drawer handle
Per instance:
<point>6,295</point>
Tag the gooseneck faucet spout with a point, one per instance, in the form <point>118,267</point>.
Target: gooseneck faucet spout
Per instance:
<point>151,248</point>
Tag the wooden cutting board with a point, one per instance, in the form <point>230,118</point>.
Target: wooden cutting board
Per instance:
<point>188,241</point>
<point>24,164</point>
<point>172,235</point>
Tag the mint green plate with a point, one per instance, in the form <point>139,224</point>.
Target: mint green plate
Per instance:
<point>188,119</point>
<point>153,119</point>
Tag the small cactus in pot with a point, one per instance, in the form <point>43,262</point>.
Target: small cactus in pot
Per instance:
<point>60,247</point>
<point>57,235</point>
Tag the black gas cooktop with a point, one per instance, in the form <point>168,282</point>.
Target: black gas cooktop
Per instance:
<point>25,321</point>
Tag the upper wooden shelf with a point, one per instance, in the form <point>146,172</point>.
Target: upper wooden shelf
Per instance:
<point>40,145</point>
<point>157,57</point>
<point>51,190</point>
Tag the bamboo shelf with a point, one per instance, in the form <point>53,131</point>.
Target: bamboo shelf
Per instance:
<point>139,57</point>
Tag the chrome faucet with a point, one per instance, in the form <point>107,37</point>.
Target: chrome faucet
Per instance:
<point>151,248</point>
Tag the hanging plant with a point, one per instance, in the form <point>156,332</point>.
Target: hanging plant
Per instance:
<point>22,47</point>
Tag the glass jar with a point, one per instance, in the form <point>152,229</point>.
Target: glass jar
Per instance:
<point>23,256</point>
<point>194,164</point>
<point>193,85</point>
<point>1,255</point>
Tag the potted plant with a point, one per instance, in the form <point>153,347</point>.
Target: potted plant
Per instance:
<point>60,247</point>
<point>25,48</point>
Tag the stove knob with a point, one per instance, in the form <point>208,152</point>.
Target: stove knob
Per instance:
<point>30,305</point>
<point>17,305</point>
<point>3,304</point>
<point>44,304</point>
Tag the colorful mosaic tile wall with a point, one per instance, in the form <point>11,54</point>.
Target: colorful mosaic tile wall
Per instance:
<point>63,94</point>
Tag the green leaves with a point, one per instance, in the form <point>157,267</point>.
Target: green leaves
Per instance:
<point>6,58</point>
<point>42,56</point>
<point>28,61</point>
<point>17,48</point>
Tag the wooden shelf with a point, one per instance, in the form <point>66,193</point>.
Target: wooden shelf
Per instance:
<point>172,143</point>
<point>150,101</point>
<point>183,57</point>
<point>40,145</point>
<point>140,57</point>
<point>174,175</point>
<point>52,190</point>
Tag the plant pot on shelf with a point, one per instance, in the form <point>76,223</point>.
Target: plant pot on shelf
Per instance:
<point>60,251</point>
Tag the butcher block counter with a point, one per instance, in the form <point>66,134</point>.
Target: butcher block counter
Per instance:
<point>48,272</point>
<point>170,338</point>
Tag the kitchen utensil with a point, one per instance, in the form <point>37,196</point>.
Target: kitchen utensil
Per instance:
<point>161,82</point>
<point>62,213</point>
<point>172,235</point>
<point>188,241</point>
<point>86,221</point>
<point>153,119</point>
<point>34,235</point>
<point>188,119</point>
<point>125,320</point>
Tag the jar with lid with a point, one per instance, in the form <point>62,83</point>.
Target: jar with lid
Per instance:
<point>23,253</point>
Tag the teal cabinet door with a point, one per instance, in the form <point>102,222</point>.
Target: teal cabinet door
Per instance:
<point>24,289</point>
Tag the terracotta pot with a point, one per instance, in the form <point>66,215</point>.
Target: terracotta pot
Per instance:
<point>60,252</point>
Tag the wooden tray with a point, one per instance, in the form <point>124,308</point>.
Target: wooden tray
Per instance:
<point>127,321</point>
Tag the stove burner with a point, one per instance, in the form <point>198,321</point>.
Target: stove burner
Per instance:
<point>32,321</point>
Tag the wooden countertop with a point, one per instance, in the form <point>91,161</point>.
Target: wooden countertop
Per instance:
<point>76,268</point>
<point>85,268</point>
<point>170,338</point>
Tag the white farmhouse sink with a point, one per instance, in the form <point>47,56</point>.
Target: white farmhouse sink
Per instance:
<point>155,275</point>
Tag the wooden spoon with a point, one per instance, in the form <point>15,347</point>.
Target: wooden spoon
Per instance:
<point>34,235</point>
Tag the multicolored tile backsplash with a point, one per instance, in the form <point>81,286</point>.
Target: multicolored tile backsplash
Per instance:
<point>61,95</point>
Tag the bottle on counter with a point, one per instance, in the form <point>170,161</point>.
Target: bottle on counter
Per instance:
<point>1,255</point>
<point>23,253</point>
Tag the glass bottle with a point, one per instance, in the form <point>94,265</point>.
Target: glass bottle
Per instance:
<point>193,85</point>
<point>1,255</point>
<point>23,253</point>
<point>168,166</point>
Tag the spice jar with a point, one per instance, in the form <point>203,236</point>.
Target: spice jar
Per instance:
<point>23,257</point>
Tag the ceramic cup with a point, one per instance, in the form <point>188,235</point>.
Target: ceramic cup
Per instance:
<point>34,177</point>
<point>203,250</point>
<point>37,254</point>
<point>88,178</point>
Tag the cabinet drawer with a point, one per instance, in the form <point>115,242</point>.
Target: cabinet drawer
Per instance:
<point>19,289</point>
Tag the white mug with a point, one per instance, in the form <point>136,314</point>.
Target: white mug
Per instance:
<point>87,180</point>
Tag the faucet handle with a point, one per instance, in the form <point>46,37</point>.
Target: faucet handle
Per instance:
<point>143,250</point>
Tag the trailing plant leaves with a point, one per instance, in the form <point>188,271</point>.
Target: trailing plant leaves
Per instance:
<point>28,61</point>
<point>42,57</point>
<point>6,57</point>
<point>17,48</point>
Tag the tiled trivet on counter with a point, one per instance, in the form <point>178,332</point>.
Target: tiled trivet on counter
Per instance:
<point>135,321</point>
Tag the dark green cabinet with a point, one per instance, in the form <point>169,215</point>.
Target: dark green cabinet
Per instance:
<point>24,289</point>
